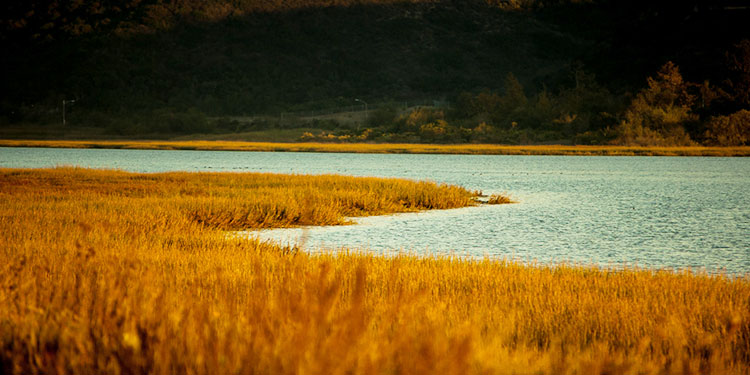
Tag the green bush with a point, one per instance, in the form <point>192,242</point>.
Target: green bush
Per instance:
<point>384,116</point>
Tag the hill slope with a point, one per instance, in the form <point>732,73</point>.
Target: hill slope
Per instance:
<point>224,58</point>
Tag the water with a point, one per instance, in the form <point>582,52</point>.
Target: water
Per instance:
<point>653,212</point>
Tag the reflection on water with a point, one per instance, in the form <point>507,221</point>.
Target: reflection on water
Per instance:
<point>652,212</point>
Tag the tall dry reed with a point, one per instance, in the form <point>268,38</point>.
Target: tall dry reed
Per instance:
<point>113,272</point>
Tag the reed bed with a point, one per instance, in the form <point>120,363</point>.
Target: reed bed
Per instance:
<point>392,148</point>
<point>119,273</point>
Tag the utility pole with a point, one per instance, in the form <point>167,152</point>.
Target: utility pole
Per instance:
<point>63,111</point>
<point>365,103</point>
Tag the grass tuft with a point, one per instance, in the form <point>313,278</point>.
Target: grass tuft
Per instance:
<point>499,199</point>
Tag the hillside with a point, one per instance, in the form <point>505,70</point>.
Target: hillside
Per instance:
<point>155,62</point>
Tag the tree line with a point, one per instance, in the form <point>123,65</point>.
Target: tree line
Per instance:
<point>669,111</point>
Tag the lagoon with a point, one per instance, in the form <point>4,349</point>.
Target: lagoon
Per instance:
<point>651,212</point>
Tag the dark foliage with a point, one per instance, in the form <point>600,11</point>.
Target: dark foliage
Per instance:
<point>151,66</point>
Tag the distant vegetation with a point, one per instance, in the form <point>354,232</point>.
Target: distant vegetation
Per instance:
<point>123,273</point>
<point>391,148</point>
<point>516,72</point>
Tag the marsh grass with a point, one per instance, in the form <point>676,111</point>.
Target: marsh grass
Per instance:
<point>499,199</point>
<point>393,148</point>
<point>119,273</point>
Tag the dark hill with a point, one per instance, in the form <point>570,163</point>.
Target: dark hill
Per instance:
<point>136,57</point>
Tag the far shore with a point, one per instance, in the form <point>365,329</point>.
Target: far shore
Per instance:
<point>389,148</point>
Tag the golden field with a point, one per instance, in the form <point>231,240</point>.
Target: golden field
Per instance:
<point>391,148</point>
<point>110,272</point>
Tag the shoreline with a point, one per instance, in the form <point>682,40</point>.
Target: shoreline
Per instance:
<point>390,148</point>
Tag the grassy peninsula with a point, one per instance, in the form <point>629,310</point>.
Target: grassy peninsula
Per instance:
<point>114,272</point>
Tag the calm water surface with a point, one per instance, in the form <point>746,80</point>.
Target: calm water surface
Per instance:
<point>655,212</point>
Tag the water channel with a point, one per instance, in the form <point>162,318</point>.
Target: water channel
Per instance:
<point>652,212</point>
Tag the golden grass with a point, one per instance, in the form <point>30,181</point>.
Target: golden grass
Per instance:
<point>498,199</point>
<point>113,272</point>
<point>392,148</point>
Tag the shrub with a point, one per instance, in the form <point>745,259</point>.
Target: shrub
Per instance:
<point>657,115</point>
<point>421,116</point>
<point>732,130</point>
<point>382,117</point>
<point>434,131</point>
